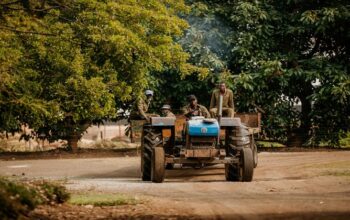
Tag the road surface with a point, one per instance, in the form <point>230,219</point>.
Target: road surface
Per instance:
<point>307,185</point>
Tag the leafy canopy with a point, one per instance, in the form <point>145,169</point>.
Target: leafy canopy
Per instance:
<point>65,64</point>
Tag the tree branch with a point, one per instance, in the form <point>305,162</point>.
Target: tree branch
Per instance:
<point>9,3</point>
<point>33,10</point>
<point>26,32</point>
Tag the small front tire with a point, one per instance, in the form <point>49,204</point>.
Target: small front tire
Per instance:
<point>158,165</point>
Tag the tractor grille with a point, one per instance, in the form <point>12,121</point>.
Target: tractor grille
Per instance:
<point>203,142</point>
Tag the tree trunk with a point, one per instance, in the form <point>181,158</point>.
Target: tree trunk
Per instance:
<point>298,136</point>
<point>305,113</point>
<point>73,143</point>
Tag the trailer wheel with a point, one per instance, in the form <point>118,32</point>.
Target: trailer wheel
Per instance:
<point>247,165</point>
<point>256,159</point>
<point>158,165</point>
<point>150,139</point>
<point>255,151</point>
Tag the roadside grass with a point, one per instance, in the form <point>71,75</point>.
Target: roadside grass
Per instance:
<point>345,142</point>
<point>269,144</point>
<point>102,199</point>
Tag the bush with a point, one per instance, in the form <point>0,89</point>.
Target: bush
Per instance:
<point>17,199</point>
<point>345,141</point>
<point>53,192</point>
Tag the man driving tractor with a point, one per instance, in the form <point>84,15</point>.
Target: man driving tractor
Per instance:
<point>228,108</point>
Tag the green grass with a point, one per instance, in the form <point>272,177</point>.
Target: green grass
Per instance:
<point>102,199</point>
<point>269,144</point>
<point>345,142</point>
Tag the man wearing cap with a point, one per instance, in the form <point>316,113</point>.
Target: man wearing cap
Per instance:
<point>228,108</point>
<point>141,106</point>
<point>194,109</point>
<point>166,111</point>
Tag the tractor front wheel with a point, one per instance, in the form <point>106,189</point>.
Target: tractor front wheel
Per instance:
<point>158,165</point>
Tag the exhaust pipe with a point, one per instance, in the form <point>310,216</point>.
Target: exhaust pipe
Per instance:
<point>219,114</point>
<point>220,108</point>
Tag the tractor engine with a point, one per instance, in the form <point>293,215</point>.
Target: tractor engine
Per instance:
<point>202,133</point>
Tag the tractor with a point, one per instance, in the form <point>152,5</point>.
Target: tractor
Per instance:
<point>201,142</point>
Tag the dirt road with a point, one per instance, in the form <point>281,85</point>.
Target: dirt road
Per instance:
<point>307,185</point>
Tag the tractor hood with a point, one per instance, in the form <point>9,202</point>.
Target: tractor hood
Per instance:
<point>203,127</point>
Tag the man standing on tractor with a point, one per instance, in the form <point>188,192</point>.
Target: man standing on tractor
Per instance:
<point>228,108</point>
<point>166,111</point>
<point>141,107</point>
<point>194,109</point>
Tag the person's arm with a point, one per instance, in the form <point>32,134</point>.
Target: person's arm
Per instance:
<point>230,101</point>
<point>188,112</point>
<point>212,100</point>
<point>205,111</point>
<point>171,115</point>
<point>140,104</point>
<point>185,111</point>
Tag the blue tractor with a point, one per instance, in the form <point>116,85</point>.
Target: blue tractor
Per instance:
<point>203,142</point>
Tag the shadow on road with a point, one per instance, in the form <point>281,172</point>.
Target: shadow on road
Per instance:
<point>186,174</point>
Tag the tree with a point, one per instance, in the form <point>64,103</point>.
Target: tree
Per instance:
<point>206,40</point>
<point>279,50</point>
<point>65,64</point>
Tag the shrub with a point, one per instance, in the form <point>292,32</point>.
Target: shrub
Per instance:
<point>17,199</point>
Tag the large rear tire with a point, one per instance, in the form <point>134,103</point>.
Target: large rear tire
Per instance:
<point>150,139</point>
<point>158,165</point>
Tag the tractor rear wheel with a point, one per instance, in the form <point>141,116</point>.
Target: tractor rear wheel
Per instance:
<point>158,165</point>
<point>150,139</point>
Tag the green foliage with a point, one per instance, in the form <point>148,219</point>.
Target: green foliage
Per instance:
<point>345,140</point>
<point>67,64</point>
<point>278,50</point>
<point>52,192</point>
<point>171,89</point>
<point>18,199</point>
<point>266,144</point>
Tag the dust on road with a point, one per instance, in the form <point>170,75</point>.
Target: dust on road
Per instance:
<point>308,185</point>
